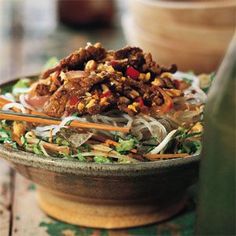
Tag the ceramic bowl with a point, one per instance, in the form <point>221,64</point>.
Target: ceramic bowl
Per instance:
<point>194,34</point>
<point>106,195</point>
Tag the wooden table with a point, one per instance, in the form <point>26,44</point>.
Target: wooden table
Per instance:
<point>29,35</point>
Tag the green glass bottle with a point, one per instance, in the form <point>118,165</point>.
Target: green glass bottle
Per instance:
<point>216,204</point>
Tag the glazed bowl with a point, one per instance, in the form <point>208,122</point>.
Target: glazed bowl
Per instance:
<point>106,195</point>
<point>194,34</point>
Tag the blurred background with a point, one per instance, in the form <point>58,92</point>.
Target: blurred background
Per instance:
<point>33,31</point>
<point>192,34</point>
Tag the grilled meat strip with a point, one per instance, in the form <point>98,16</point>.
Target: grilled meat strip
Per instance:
<point>93,80</point>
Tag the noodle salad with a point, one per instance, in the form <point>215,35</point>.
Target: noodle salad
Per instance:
<point>162,108</point>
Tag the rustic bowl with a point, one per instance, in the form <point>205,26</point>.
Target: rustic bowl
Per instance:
<point>106,195</point>
<point>194,34</point>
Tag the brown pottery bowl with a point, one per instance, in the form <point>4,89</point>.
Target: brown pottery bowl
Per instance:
<point>106,195</point>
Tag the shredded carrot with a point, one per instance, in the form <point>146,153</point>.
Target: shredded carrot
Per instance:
<point>56,148</point>
<point>166,156</point>
<point>50,121</point>
<point>110,142</point>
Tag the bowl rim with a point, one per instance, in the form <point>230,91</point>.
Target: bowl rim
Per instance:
<point>170,4</point>
<point>75,167</point>
<point>71,166</point>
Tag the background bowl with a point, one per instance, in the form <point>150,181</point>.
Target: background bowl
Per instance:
<point>193,34</point>
<point>106,195</point>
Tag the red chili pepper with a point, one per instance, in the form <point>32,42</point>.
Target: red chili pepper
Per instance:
<point>106,94</point>
<point>132,73</point>
<point>73,100</point>
<point>140,101</point>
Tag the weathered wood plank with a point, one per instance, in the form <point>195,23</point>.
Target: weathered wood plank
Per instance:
<point>5,198</point>
<point>26,214</point>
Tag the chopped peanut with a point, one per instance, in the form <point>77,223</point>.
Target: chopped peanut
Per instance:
<point>80,106</point>
<point>91,103</point>
<point>157,82</point>
<point>18,130</point>
<point>90,65</point>
<point>133,106</point>
<point>173,92</point>
<point>110,142</point>
<point>134,93</point>
<point>103,101</point>
<point>105,88</point>
<point>148,76</point>
<point>142,76</point>
<point>166,74</point>
<point>197,127</point>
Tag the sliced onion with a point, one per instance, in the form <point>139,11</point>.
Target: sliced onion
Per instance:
<point>36,101</point>
<point>78,139</point>
<point>164,142</point>
<point>17,91</point>
<point>24,103</point>
<point>9,97</point>
<point>45,131</point>
<point>155,128</point>
<point>43,150</point>
<point>65,121</point>
<point>45,128</point>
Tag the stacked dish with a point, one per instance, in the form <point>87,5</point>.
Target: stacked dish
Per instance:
<point>193,33</point>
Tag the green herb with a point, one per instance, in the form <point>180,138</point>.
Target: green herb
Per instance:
<point>102,159</point>
<point>190,147</point>
<point>51,62</point>
<point>6,89</point>
<point>125,145</point>
<point>189,81</point>
<point>211,78</point>
<point>21,86</point>
<point>184,142</point>
<point>37,149</point>
<point>80,157</point>
<point>86,147</point>
<point>5,136</point>
<point>61,141</point>
<point>22,83</point>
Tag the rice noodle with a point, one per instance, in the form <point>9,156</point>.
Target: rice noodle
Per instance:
<point>163,143</point>
<point>45,131</point>
<point>130,120</point>
<point>155,128</point>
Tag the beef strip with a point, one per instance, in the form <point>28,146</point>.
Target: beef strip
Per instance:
<point>77,59</point>
<point>94,80</point>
